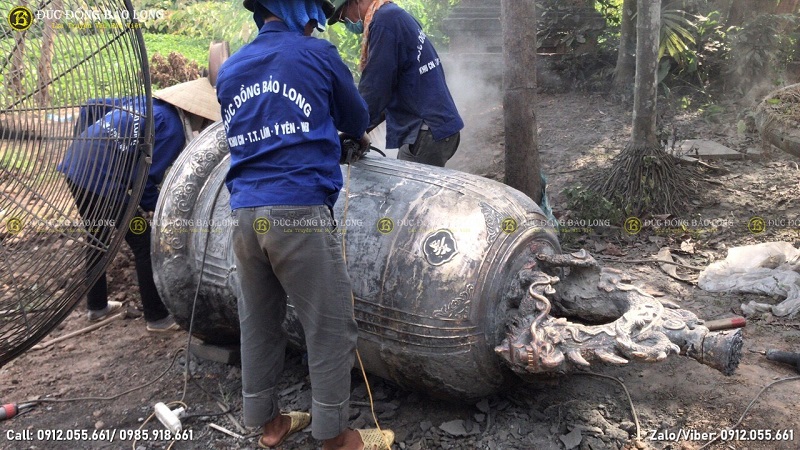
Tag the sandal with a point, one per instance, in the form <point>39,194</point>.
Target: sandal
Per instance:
<point>375,439</point>
<point>299,420</point>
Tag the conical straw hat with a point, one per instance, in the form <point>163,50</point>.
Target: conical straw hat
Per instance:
<point>197,97</point>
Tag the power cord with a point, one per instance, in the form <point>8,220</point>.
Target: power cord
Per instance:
<point>27,406</point>
<point>627,394</point>
<point>113,397</point>
<point>752,402</point>
<point>187,372</point>
<point>353,300</point>
<point>133,444</point>
<point>738,422</point>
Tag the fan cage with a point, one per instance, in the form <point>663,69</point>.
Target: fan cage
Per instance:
<point>73,52</point>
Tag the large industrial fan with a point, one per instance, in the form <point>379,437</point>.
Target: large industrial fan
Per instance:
<point>65,64</point>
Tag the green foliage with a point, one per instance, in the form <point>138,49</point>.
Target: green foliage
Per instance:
<point>194,49</point>
<point>430,15</point>
<point>348,44</point>
<point>711,44</point>
<point>189,28</point>
<point>208,20</point>
<point>105,70</point>
<point>611,11</point>
<point>712,112</point>
<point>109,74</point>
<point>590,205</point>
<point>561,29</point>
<point>15,160</point>
<point>761,45</point>
<point>677,37</point>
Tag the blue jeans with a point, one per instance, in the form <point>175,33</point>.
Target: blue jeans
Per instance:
<point>294,251</point>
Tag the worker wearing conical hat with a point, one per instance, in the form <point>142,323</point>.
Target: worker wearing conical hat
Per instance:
<point>106,129</point>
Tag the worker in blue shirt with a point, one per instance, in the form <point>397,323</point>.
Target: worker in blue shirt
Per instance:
<point>105,129</point>
<point>402,81</point>
<point>283,97</point>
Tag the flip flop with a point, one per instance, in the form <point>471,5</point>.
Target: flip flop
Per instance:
<point>299,420</point>
<point>375,439</point>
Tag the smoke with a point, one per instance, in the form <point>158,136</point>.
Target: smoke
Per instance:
<point>476,87</point>
<point>475,82</point>
<point>474,72</point>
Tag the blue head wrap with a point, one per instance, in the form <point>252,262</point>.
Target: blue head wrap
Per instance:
<point>294,13</point>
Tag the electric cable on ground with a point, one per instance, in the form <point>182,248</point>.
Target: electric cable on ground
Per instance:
<point>752,402</point>
<point>627,394</point>
<point>353,300</point>
<point>25,407</point>
<point>113,397</point>
<point>135,440</point>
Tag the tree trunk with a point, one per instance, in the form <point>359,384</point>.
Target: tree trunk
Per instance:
<point>519,100</point>
<point>648,26</point>
<point>45,67</point>
<point>735,13</point>
<point>787,7</point>
<point>643,177</point>
<point>626,56</point>
<point>17,71</point>
<point>742,11</point>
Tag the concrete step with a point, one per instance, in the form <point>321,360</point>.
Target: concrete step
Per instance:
<point>468,25</point>
<point>476,43</point>
<point>480,3</point>
<point>474,12</point>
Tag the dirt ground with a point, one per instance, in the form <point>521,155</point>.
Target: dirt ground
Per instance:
<point>578,133</point>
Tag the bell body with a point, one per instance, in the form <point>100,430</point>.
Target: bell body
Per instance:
<point>431,253</point>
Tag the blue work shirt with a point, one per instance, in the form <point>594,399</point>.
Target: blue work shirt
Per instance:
<point>283,97</point>
<point>404,80</point>
<point>96,160</point>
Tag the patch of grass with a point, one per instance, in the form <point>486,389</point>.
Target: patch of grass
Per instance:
<point>107,71</point>
<point>15,160</point>
<point>194,49</point>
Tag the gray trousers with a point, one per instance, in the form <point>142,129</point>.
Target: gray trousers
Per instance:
<point>294,251</point>
<point>427,151</point>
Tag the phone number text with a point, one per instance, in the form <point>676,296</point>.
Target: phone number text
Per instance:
<point>723,435</point>
<point>109,435</point>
